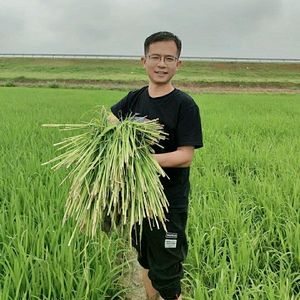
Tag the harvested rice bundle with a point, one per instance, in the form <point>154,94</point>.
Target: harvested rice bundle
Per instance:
<point>113,173</point>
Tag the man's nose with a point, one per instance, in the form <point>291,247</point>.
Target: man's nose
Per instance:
<point>162,62</point>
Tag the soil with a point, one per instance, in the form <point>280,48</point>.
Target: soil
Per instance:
<point>133,280</point>
<point>193,87</point>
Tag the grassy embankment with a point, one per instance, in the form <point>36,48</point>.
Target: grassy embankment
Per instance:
<point>128,74</point>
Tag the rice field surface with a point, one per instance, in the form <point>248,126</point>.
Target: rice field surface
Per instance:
<point>244,219</point>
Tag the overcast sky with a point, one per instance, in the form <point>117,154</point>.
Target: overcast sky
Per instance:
<point>207,28</point>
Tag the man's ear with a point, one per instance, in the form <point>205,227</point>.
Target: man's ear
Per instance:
<point>178,64</point>
<point>143,60</point>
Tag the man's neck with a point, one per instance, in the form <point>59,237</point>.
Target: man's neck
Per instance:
<point>156,90</point>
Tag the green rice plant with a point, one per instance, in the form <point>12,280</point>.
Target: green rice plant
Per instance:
<point>243,227</point>
<point>114,174</point>
<point>244,210</point>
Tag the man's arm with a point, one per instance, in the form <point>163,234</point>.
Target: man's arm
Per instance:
<point>181,158</point>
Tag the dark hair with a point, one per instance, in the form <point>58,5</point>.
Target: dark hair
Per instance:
<point>162,36</point>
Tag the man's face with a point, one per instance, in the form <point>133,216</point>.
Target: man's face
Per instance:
<point>161,62</point>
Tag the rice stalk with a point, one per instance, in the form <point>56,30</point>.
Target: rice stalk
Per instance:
<point>113,174</point>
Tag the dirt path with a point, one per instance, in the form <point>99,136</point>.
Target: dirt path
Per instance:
<point>133,280</point>
<point>193,87</point>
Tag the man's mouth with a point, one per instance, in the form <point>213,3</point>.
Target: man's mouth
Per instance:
<point>161,73</point>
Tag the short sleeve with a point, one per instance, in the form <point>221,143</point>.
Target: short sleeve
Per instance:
<point>189,129</point>
<point>121,109</point>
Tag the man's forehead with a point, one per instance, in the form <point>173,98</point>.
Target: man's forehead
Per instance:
<point>165,46</point>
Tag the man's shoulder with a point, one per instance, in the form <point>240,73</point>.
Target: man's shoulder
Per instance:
<point>184,97</point>
<point>135,93</point>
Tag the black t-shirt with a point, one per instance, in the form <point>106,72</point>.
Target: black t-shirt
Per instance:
<point>180,117</point>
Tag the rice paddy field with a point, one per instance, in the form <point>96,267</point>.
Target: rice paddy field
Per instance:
<point>244,214</point>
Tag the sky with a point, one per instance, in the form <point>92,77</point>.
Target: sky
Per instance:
<point>207,28</point>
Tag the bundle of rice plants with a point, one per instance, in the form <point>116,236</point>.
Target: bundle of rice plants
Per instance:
<point>112,173</point>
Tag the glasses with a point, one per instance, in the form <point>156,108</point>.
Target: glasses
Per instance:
<point>168,60</point>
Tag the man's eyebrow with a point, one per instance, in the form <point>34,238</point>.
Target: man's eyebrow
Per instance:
<point>163,55</point>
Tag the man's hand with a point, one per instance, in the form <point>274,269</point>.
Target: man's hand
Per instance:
<point>181,158</point>
<point>112,118</point>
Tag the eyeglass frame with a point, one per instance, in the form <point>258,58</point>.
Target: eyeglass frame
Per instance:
<point>151,56</point>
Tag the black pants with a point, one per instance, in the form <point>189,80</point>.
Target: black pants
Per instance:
<point>163,253</point>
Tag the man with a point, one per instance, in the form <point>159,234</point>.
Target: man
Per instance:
<point>161,253</point>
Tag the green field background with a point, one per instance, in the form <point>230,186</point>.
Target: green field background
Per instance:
<point>53,72</point>
<point>244,221</point>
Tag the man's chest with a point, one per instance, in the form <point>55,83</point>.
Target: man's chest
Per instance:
<point>165,111</point>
